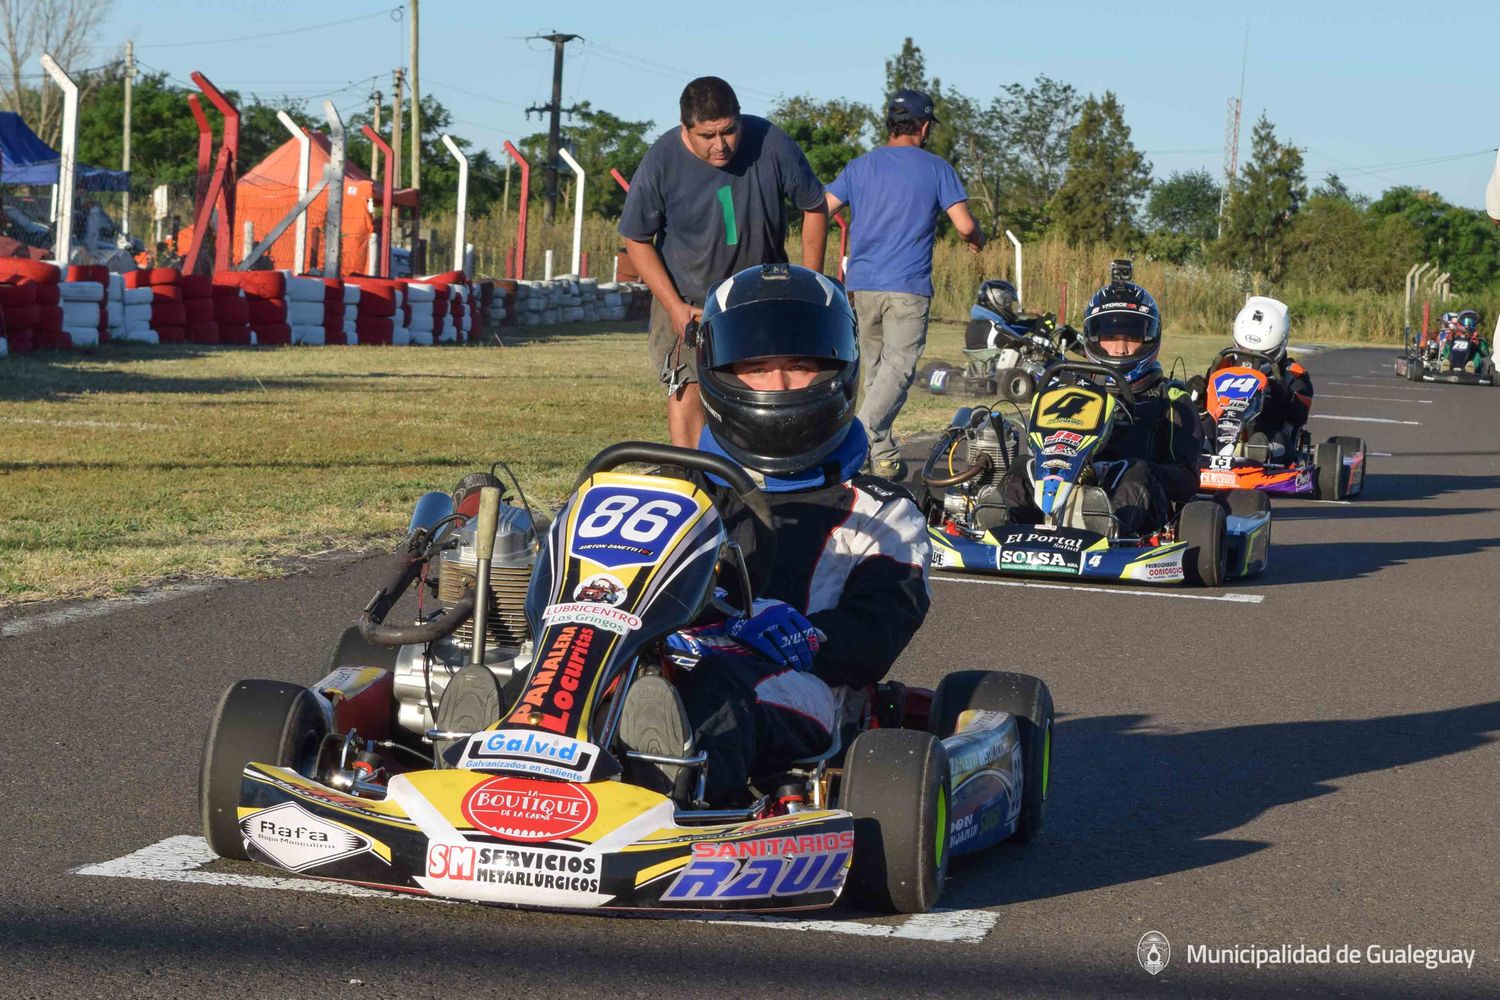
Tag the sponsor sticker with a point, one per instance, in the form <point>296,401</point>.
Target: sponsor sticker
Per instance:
<point>297,840</point>
<point>552,695</point>
<point>769,847</point>
<point>530,811</point>
<point>1053,562</point>
<point>1212,477</point>
<point>528,867</point>
<point>1061,543</point>
<point>618,526</point>
<point>759,878</point>
<point>603,616</point>
<point>532,753</point>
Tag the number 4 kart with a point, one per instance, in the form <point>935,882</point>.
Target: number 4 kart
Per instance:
<point>361,778</point>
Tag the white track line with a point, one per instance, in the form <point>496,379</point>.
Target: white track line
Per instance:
<point>1118,591</point>
<point>1341,503</point>
<point>1366,420</point>
<point>1378,399</point>
<point>93,609</point>
<point>1398,384</point>
<point>1378,454</point>
<point>181,859</point>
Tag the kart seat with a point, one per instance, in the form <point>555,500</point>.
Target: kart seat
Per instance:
<point>1096,512</point>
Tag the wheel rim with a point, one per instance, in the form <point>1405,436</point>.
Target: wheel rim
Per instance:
<point>1046,759</point>
<point>940,836</point>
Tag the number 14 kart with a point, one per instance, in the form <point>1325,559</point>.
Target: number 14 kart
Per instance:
<point>1203,543</point>
<point>481,752</point>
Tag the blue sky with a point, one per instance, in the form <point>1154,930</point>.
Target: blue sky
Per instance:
<point>1366,89</point>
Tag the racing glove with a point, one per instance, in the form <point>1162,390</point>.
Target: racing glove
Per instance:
<point>779,632</point>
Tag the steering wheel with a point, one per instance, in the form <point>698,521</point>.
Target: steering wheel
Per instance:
<point>1053,372</point>
<point>1242,354</point>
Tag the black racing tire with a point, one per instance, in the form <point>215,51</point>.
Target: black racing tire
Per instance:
<point>1329,484</point>
<point>1247,503</point>
<point>1202,527</point>
<point>1016,384</point>
<point>896,785</point>
<point>353,649</point>
<point>1353,446</point>
<point>1030,701</point>
<point>269,722</point>
<point>1414,370</point>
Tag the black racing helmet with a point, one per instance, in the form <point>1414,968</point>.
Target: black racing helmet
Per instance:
<point>1469,320</point>
<point>778,310</point>
<point>1124,307</point>
<point>1000,298</point>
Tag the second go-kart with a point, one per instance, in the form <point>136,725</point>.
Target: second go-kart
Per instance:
<point>1204,542</point>
<point>1422,360</point>
<point>356,778</point>
<point>1235,391</point>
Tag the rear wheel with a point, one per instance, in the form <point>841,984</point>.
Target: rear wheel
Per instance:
<point>1329,458</point>
<point>1247,503</point>
<point>1029,700</point>
<point>1414,370</point>
<point>1016,385</point>
<point>1353,446</point>
<point>269,722</point>
<point>1202,527</point>
<point>896,785</point>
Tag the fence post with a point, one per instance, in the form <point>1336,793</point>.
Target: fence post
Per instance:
<point>1020,295</point>
<point>463,201</point>
<point>520,259</point>
<point>304,162</point>
<point>573,165</point>
<point>333,223</point>
<point>68,162</point>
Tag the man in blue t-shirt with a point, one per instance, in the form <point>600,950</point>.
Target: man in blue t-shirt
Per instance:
<point>709,200</point>
<point>896,194</point>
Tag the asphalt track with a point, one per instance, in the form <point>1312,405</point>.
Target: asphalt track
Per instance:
<point>1316,768</point>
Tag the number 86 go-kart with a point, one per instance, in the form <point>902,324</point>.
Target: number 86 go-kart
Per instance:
<point>354,779</point>
<point>1234,394</point>
<point>1203,543</point>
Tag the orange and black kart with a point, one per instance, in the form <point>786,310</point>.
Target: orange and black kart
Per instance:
<point>1235,389</point>
<point>352,780</point>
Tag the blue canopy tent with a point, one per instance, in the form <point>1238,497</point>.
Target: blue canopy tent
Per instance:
<point>26,159</point>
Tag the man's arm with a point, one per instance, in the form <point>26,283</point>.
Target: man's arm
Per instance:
<point>834,202</point>
<point>966,227</point>
<point>647,262</point>
<point>814,237</point>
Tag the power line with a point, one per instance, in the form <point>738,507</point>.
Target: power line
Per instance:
<point>392,12</point>
<point>474,93</point>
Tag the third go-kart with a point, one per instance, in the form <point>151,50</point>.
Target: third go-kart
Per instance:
<point>1235,391</point>
<point>1001,359</point>
<point>550,631</point>
<point>1422,361</point>
<point>1203,543</point>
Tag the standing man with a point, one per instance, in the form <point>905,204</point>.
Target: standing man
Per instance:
<point>709,200</point>
<point>896,194</point>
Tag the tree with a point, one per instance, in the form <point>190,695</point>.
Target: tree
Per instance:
<point>1267,195</point>
<point>598,140</point>
<point>1034,126</point>
<point>1106,178</point>
<point>1460,240</point>
<point>1182,216</point>
<point>65,28</point>
<point>831,133</point>
<point>1332,244</point>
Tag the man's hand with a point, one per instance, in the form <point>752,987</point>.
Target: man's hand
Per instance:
<point>779,632</point>
<point>682,314</point>
<point>978,242</point>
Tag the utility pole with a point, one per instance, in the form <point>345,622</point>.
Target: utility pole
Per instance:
<point>416,106</point>
<point>376,97</point>
<point>396,132</point>
<point>555,109</point>
<point>125,142</point>
<point>1232,136</point>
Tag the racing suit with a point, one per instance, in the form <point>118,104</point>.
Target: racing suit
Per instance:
<point>1289,394</point>
<point>1159,442</point>
<point>851,554</point>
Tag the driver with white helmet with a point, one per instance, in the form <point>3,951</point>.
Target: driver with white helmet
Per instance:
<point>1262,326</point>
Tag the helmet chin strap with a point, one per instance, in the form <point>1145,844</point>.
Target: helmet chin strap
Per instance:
<point>842,464</point>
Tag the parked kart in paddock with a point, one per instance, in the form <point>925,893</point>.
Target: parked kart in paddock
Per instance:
<point>1234,392</point>
<point>1204,543</point>
<point>354,779</point>
<point>1422,361</point>
<point>1002,359</point>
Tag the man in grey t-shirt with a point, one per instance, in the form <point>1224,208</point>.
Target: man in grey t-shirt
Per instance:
<point>709,200</point>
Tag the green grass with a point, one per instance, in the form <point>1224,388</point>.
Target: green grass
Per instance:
<point>136,466</point>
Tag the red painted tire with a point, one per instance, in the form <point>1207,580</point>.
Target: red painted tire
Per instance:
<point>376,302</point>
<point>234,333</point>
<point>16,296</point>
<point>163,276</point>
<point>137,279</point>
<point>32,270</point>
<point>231,310</point>
<point>196,286</point>
<point>448,278</point>
<point>374,329</point>
<point>54,341</point>
<point>170,334</point>
<point>272,334</point>
<point>49,319</point>
<point>270,311</point>
<point>168,313</point>
<point>22,317</point>
<point>203,333</point>
<point>199,311</point>
<point>266,284</point>
<point>89,272</point>
<point>333,290</point>
<point>166,293</point>
<point>48,295</point>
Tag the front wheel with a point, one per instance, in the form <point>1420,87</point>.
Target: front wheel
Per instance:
<point>1353,446</point>
<point>896,785</point>
<point>1329,458</point>
<point>268,722</point>
<point>1202,526</point>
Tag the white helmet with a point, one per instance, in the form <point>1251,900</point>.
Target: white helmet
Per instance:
<point>1262,326</point>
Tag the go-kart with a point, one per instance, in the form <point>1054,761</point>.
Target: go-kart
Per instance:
<point>1234,393</point>
<point>1203,543</point>
<point>1422,361</point>
<point>355,779</point>
<point>1001,359</point>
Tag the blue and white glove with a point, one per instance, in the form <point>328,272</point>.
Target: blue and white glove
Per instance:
<point>779,632</point>
<point>684,650</point>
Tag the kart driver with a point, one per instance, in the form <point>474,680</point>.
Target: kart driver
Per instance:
<point>1262,326</point>
<point>1152,457</point>
<point>1465,324</point>
<point>847,586</point>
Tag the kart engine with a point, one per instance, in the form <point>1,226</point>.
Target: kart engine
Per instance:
<point>990,444</point>
<point>422,670</point>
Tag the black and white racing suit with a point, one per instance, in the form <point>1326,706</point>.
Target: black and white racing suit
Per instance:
<point>853,557</point>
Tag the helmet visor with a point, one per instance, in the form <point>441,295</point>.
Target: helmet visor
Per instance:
<point>777,329</point>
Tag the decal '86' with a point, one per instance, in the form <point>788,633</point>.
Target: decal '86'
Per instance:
<point>620,526</point>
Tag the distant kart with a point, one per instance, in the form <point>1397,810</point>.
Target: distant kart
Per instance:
<point>1001,359</point>
<point>1203,543</point>
<point>1422,361</point>
<point>356,780</point>
<point>1235,394</point>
